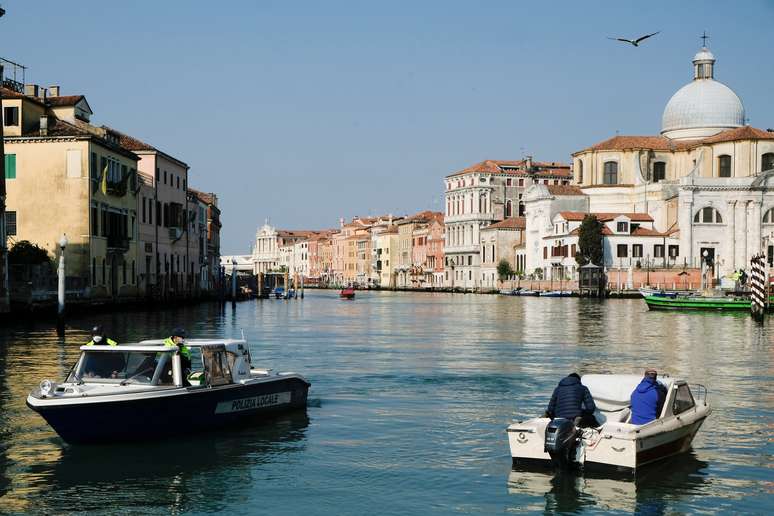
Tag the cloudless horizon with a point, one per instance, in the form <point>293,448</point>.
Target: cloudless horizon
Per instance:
<point>305,112</point>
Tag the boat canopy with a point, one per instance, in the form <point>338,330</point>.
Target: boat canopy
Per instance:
<point>198,343</point>
<point>612,392</point>
<point>128,347</point>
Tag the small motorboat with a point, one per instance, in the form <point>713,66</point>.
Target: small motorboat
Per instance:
<point>556,293</point>
<point>138,392</point>
<point>616,445</point>
<point>347,293</point>
<point>527,292</point>
<point>278,292</point>
<point>508,292</point>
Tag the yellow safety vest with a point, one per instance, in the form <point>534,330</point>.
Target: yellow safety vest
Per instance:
<point>184,350</point>
<point>110,342</point>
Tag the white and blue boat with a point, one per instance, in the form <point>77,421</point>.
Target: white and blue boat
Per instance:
<point>139,392</point>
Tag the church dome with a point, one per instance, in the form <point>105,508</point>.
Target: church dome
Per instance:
<point>702,107</point>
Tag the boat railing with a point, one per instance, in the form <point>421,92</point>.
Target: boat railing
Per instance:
<point>700,393</point>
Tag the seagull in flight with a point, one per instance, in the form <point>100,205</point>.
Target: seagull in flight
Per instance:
<point>635,42</point>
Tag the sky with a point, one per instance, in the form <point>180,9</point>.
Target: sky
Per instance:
<point>305,112</point>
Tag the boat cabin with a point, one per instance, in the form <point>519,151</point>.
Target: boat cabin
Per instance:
<point>612,396</point>
<point>151,363</point>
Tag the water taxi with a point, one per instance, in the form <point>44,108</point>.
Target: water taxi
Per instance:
<point>617,445</point>
<point>140,391</point>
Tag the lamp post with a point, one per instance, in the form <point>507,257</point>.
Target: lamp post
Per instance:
<point>60,317</point>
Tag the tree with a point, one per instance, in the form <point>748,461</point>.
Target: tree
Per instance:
<point>590,241</point>
<point>504,270</point>
<point>25,252</point>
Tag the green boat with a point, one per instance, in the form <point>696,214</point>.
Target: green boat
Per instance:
<point>657,302</point>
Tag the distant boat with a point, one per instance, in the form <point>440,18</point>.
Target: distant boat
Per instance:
<point>279,292</point>
<point>556,293</point>
<point>526,292</point>
<point>657,292</point>
<point>347,293</point>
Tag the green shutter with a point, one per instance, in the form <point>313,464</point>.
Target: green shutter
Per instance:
<point>10,166</point>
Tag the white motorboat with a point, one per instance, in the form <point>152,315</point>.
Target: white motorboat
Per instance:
<point>138,391</point>
<point>616,444</point>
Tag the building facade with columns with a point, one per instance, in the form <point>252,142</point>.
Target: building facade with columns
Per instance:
<point>707,179</point>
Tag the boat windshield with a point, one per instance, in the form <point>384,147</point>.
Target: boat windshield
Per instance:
<point>116,366</point>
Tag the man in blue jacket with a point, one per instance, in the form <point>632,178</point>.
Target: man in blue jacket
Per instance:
<point>571,399</point>
<point>647,399</point>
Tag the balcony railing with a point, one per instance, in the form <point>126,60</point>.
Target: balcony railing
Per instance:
<point>118,243</point>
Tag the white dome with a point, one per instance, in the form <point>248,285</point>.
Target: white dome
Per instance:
<point>703,103</point>
<point>704,55</point>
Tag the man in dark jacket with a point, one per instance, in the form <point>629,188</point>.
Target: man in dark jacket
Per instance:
<point>647,399</point>
<point>571,399</point>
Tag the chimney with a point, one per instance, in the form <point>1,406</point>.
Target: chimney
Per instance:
<point>53,91</point>
<point>341,222</point>
<point>44,125</point>
<point>528,163</point>
<point>31,90</point>
<point>42,93</point>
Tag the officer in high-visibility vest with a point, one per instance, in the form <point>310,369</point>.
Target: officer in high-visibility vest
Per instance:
<point>98,337</point>
<point>177,339</point>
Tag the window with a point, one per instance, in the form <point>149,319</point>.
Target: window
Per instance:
<point>658,250</point>
<point>158,213</point>
<point>178,182</point>
<point>508,208</point>
<point>708,215</point>
<point>622,251</point>
<point>572,250</point>
<point>94,221</point>
<point>545,253</point>
<point>637,250</point>
<point>10,166</point>
<point>93,169</point>
<point>509,182</point>
<point>158,174</point>
<point>10,116</point>
<point>165,177</point>
<point>768,217</point>
<point>659,171</point>
<point>683,400</point>
<point>610,174</point>
<point>724,166</point>
<point>674,251</point>
<point>622,227</point>
<point>103,271</point>
<point>93,271</point>
<point>521,182</point>
<point>580,171</point>
<point>767,161</point>
<point>10,223</point>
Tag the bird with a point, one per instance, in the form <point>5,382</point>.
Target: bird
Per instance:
<point>635,42</point>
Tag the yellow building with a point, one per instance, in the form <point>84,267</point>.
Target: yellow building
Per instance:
<point>65,176</point>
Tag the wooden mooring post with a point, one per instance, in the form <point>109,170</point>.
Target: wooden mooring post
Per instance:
<point>758,287</point>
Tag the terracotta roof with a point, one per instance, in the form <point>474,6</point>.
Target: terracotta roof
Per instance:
<point>422,216</point>
<point>12,94</point>
<point>621,185</point>
<point>509,223</point>
<point>130,142</point>
<point>492,166</point>
<point>391,230</point>
<point>605,216</point>
<point>564,190</point>
<point>647,232</point>
<point>64,100</point>
<point>207,198</point>
<point>662,143</point>
<point>294,233</point>
<point>740,133</point>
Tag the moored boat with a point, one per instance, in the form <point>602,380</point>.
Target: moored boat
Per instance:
<point>616,445</point>
<point>688,302</point>
<point>556,293</point>
<point>137,392</point>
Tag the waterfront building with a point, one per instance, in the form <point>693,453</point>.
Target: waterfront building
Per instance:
<point>386,253</point>
<point>481,195</point>
<point>210,262</point>
<point>66,176</point>
<point>504,240</point>
<point>407,274</point>
<point>707,179</point>
<point>268,253</point>
<point>426,249</point>
<point>320,251</point>
<point>169,259</point>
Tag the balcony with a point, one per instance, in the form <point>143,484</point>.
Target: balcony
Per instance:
<point>117,243</point>
<point>175,234</point>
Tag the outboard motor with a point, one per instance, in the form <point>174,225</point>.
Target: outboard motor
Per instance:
<point>561,441</point>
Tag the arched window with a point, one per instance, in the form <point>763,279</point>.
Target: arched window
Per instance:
<point>521,209</point>
<point>580,171</point>
<point>708,215</point>
<point>508,208</point>
<point>610,176</point>
<point>659,171</point>
<point>768,217</point>
<point>767,161</point>
<point>724,166</point>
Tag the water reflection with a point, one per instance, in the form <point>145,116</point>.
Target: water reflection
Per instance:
<point>677,477</point>
<point>193,473</point>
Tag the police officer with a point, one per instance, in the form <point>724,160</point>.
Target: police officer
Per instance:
<point>98,337</point>
<point>177,339</point>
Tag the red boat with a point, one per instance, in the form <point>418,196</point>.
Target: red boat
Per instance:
<point>347,293</point>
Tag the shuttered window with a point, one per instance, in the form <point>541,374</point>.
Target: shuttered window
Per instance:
<point>10,166</point>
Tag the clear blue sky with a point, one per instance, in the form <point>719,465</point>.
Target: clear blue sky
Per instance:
<point>305,112</point>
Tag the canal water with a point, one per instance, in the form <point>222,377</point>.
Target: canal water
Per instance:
<point>410,398</point>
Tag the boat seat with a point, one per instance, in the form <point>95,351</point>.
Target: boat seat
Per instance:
<point>613,416</point>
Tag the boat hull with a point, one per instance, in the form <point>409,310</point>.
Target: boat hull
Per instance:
<point>146,415</point>
<point>655,302</point>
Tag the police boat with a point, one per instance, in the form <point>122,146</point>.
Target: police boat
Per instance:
<point>139,391</point>
<point>617,445</point>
